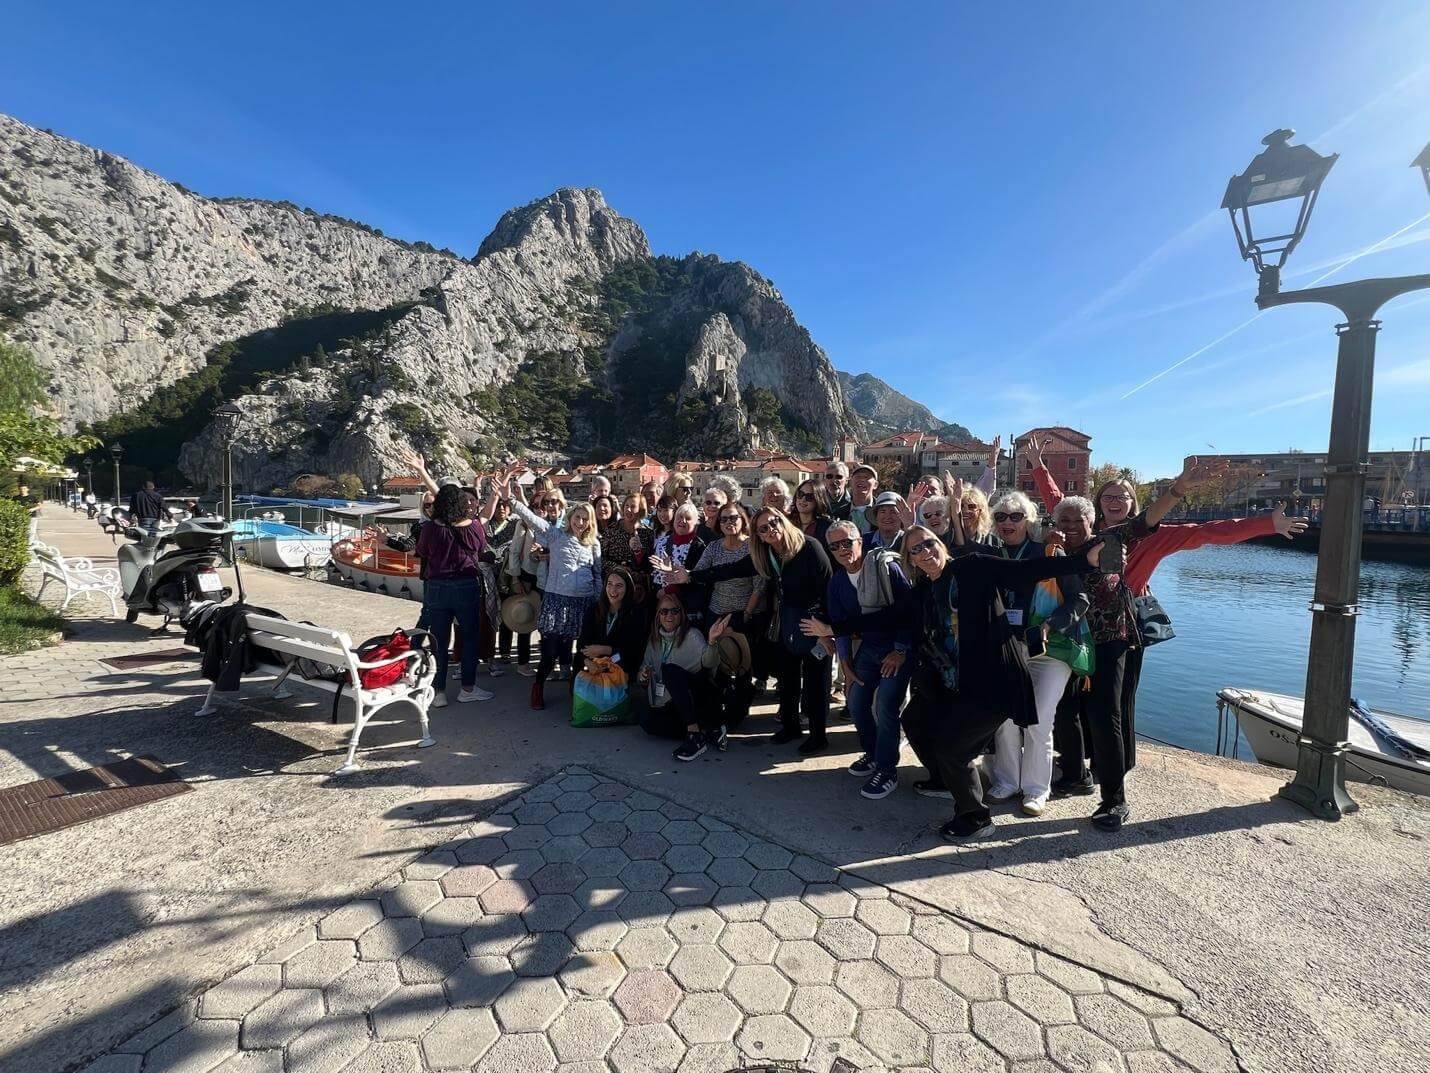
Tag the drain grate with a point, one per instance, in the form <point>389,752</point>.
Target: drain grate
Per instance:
<point>37,808</point>
<point>149,659</point>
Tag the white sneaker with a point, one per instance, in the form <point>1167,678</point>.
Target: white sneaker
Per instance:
<point>496,670</point>
<point>1000,793</point>
<point>440,700</point>
<point>1034,806</point>
<point>466,696</point>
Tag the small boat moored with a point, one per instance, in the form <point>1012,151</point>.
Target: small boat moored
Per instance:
<point>281,546</point>
<point>1384,748</point>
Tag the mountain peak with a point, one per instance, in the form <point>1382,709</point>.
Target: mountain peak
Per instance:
<point>571,218</point>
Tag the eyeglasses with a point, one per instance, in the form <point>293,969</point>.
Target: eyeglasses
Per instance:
<point>714,502</point>
<point>923,547</point>
<point>1008,516</point>
<point>933,514</point>
<point>834,476</point>
<point>1116,497</point>
<point>551,502</point>
<point>840,545</point>
<point>671,611</point>
<point>770,526</point>
<point>805,496</point>
<point>730,519</point>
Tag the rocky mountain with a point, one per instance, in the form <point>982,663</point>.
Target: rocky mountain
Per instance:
<point>885,411</point>
<point>562,334</point>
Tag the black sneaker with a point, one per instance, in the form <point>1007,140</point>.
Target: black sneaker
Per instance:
<point>1110,817</point>
<point>880,786</point>
<point>813,745</point>
<point>720,738</point>
<point>1083,787</point>
<point>693,746</point>
<point>785,735</point>
<point>930,788</point>
<point>863,767</point>
<point>960,829</point>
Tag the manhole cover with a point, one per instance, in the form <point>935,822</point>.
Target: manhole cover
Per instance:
<point>45,805</point>
<point>149,659</point>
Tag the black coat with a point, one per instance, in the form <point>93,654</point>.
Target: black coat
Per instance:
<point>627,637</point>
<point>802,582</point>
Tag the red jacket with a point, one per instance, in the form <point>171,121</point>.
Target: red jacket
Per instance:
<point>1166,539</point>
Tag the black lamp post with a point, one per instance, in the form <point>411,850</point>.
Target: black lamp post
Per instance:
<point>227,417</point>
<point>117,452</point>
<point>1283,173</point>
<point>1423,163</point>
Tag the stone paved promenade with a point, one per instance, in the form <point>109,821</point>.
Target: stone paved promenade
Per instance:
<point>524,896</point>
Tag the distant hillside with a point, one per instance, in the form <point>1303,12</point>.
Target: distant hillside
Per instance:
<point>886,411</point>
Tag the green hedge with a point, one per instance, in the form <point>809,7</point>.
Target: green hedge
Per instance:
<point>14,540</point>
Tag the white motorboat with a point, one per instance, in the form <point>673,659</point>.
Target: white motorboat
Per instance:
<point>281,546</point>
<point>1387,749</point>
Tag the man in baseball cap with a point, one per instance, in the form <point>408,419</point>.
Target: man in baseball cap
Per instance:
<point>863,483</point>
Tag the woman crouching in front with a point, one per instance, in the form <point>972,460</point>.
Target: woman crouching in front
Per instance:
<point>676,665</point>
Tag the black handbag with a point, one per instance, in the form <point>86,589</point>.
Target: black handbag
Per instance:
<point>791,636</point>
<point>1154,625</point>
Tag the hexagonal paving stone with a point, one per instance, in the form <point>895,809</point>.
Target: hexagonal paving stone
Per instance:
<point>551,912</point>
<point>585,1031</point>
<point>351,920</point>
<point>390,939</point>
<point>480,850</point>
<point>529,1005</point>
<point>812,871</point>
<point>526,1052</point>
<point>535,812</point>
<point>640,801</point>
<point>1137,1062</point>
<point>704,1058</point>
<point>648,820</point>
<point>459,1038</point>
<point>610,791</point>
<point>329,1045</point>
<point>519,864</point>
<point>644,875</point>
<point>593,974</point>
<point>1004,954</point>
<point>691,888</point>
<point>1007,1030</point>
<point>408,1012</point>
<point>695,924</point>
<point>561,877</point>
<point>966,1053</point>
<point>605,834</point>
<point>1040,998</point>
<point>758,988</point>
<point>884,918</point>
<point>647,998</point>
<point>846,938</point>
<point>777,883</point>
<point>942,934</point>
<point>645,846</point>
<point>433,865</point>
<point>731,871</point>
<point>677,812</point>
<point>479,981</point>
<point>597,929</point>
<point>861,887</point>
<point>768,855</point>
<point>496,935</point>
<point>707,1018</point>
<point>507,896</point>
<point>684,833</point>
<point>738,903</point>
<point>805,962</point>
<point>574,801</point>
<point>830,900</point>
<point>241,992</point>
<point>1142,1001</point>
<point>567,845</point>
<point>600,893</point>
<point>646,948</point>
<point>823,1011</point>
<point>361,988</point>
<point>603,861</point>
<point>647,1049</point>
<point>1070,977</point>
<point>468,880</point>
<point>497,824</point>
<point>726,843</point>
<point>432,960</point>
<point>410,898</point>
<point>541,954</point>
<point>868,983</point>
<point>971,978</point>
<point>934,1005</point>
<point>775,1038</point>
<point>686,859</point>
<point>526,838</point>
<point>748,943</point>
<point>1077,1050</point>
<point>281,1018</point>
<point>452,916</point>
<point>1115,1021</point>
<point>645,908</point>
<point>1194,1045</point>
<point>905,956</point>
<point>198,1046</point>
<point>579,779</point>
<point>892,1036</point>
<point>701,968</point>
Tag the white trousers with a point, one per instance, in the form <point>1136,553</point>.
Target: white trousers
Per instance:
<point>1023,757</point>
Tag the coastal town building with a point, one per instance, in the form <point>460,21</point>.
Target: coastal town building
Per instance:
<point>1067,454</point>
<point>1393,478</point>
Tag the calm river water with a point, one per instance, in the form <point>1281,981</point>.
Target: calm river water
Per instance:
<point>1241,620</point>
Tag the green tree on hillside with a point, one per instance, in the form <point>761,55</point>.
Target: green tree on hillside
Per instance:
<point>25,430</point>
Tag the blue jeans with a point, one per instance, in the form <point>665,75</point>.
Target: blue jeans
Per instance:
<point>443,600</point>
<point>874,706</point>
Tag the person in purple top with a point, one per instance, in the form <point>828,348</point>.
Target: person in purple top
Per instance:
<point>451,545</point>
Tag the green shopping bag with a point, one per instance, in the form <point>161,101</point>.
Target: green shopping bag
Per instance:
<point>599,696</point>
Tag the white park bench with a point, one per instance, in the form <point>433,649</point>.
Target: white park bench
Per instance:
<point>334,651</point>
<point>77,575</point>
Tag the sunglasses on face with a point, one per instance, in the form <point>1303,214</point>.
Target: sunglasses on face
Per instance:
<point>923,547</point>
<point>841,545</point>
<point>770,526</point>
<point>730,519</point>
<point>808,496</point>
<point>670,611</point>
<point>551,502</point>
<point>714,502</point>
<point>833,478</point>
<point>1008,516</point>
<point>933,514</point>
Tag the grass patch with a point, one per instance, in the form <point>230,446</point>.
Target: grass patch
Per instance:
<point>24,624</point>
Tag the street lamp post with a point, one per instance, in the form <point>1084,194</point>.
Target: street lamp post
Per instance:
<point>1289,177</point>
<point>117,452</point>
<point>227,417</point>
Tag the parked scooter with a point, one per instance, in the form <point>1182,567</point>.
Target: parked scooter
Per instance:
<point>175,572</point>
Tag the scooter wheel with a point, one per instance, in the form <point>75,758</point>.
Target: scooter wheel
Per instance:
<point>131,616</point>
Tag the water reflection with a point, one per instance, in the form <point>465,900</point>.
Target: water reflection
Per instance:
<point>1241,618</point>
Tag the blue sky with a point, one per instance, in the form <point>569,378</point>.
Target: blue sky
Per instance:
<point>1009,214</point>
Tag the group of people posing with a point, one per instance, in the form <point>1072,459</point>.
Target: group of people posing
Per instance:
<point>955,617</point>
